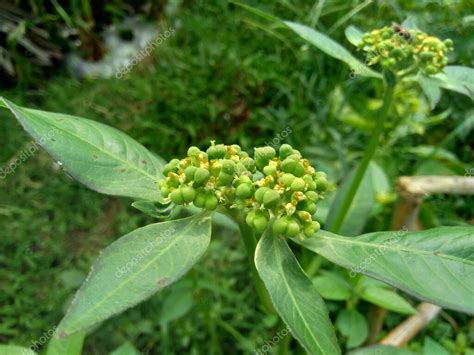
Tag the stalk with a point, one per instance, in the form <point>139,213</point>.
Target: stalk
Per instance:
<point>250,241</point>
<point>368,154</point>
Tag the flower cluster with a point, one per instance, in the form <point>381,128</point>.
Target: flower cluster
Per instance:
<point>284,187</point>
<point>397,48</point>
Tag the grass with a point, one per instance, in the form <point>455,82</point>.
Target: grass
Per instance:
<point>223,79</point>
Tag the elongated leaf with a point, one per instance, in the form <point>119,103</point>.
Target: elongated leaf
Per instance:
<point>294,296</point>
<point>436,265</point>
<point>126,348</point>
<point>457,78</point>
<point>352,325</point>
<point>135,267</point>
<point>431,88</point>
<point>101,157</point>
<point>15,350</point>
<point>387,299</point>
<point>362,205</point>
<point>332,48</point>
<point>353,35</point>
<point>71,345</point>
<point>333,286</point>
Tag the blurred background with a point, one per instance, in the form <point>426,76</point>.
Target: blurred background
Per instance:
<point>212,71</point>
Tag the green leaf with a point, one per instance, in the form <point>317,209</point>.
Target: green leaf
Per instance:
<point>71,345</point>
<point>126,348</point>
<point>333,286</point>
<point>352,325</point>
<point>101,157</point>
<point>362,205</point>
<point>431,347</point>
<point>135,267</point>
<point>431,89</point>
<point>294,296</point>
<point>436,265</point>
<point>153,209</point>
<point>457,78</point>
<point>15,350</point>
<point>387,299</point>
<point>353,35</point>
<point>381,350</point>
<point>177,304</point>
<point>332,48</point>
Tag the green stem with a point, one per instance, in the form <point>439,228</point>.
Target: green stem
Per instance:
<point>368,155</point>
<point>250,242</point>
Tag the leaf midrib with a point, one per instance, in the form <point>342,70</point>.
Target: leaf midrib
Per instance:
<point>280,266</point>
<point>120,286</point>
<point>127,163</point>
<point>404,249</point>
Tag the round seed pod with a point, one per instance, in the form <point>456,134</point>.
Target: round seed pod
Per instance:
<point>270,170</point>
<point>285,151</point>
<point>249,218</point>
<point>244,179</point>
<point>236,148</point>
<point>244,191</point>
<point>287,179</point>
<point>249,164</point>
<point>188,194</point>
<point>298,184</point>
<point>224,179</point>
<point>288,165</point>
<point>264,153</point>
<point>308,206</point>
<point>309,182</point>
<point>311,229</point>
<point>201,176</point>
<point>189,172</point>
<point>271,199</point>
<point>165,191</point>
<point>228,167</point>
<point>193,151</point>
<point>427,55</point>
<point>293,228</point>
<point>216,151</point>
<point>260,222</point>
<point>200,199</point>
<point>260,193</point>
<point>211,202</point>
<point>172,166</point>
<point>430,70</point>
<point>177,197</point>
<point>304,216</point>
<point>312,196</point>
<point>321,181</point>
<point>279,226</point>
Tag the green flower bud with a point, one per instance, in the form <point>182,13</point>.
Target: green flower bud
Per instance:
<point>286,226</point>
<point>193,151</point>
<point>287,179</point>
<point>211,202</point>
<point>430,70</point>
<point>172,166</point>
<point>200,199</point>
<point>244,179</point>
<point>448,42</point>
<point>309,182</point>
<point>279,226</point>
<point>188,194</point>
<point>249,164</point>
<point>189,172</point>
<point>264,153</point>
<point>308,206</point>
<point>298,184</point>
<point>201,176</point>
<point>293,229</point>
<point>271,199</point>
<point>177,197</point>
<point>311,229</point>
<point>216,151</point>
<point>292,166</point>
<point>270,170</point>
<point>260,222</point>
<point>249,218</point>
<point>312,196</point>
<point>236,148</point>
<point>285,151</point>
<point>165,191</point>
<point>426,55</point>
<point>228,167</point>
<point>244,191</point>
<point>224,179</point>
<point>321,181</point>
<point>260,193</point>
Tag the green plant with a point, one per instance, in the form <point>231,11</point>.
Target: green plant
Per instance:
<point>434,265</point>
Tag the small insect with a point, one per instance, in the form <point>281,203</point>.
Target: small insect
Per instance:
<point>402,32</point>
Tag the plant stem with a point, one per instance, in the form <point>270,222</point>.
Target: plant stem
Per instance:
<point>250,242</point>
<point>368,155</point>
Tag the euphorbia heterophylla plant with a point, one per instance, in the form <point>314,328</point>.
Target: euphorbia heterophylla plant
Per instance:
<point>271,195</point>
